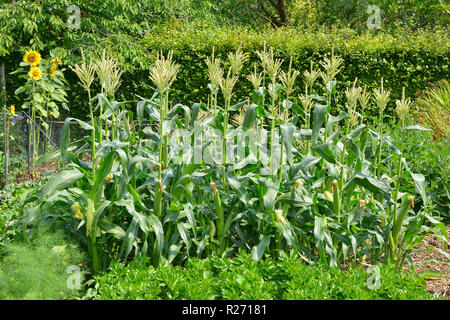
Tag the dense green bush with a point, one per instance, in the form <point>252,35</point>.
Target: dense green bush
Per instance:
<point>409,60</point>
<point>241,278</point>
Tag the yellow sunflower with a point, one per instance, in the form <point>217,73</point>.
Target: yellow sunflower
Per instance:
<point>53,70</point>
<point>56,61</point>
<point>13,110</point>
<point>32,57</point>
<point>35,73</point>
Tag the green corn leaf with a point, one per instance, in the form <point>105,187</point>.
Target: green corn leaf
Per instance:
<point>413,229</point>
<point>309,161</point>
<point>130,238</point>
<point>227,224</point>
<point>271,194</point>
<point>31,214</point>
<point>52,155</point>
<point>140,107</point>
<point>249,117</point>
<point>111,228</point>
<point>100,175</point>
<point>159,233</point>
<point>368,182</point>
<point>303,134</point>
<point>60,181</point>
<point>432,274</point>
<point>318,118</point>
<point>419,181</point>
<point>325,152</point>
<point>258,250</point>
<point>416,127</point>
<point>286,231</point>
<point>137,216</point>
<point>184,236</point>
<point>356,132</point>
<point>174,250</point>
<point>431,261</point>
<point>287,132</point>
<point>187,210</point>
<point>196,107</point>
<point>444,253</point>
<point>238,105</point>
<point>332,255</point>
<point>319,229</point>
<point>341,116</point>
<point>238,187</point>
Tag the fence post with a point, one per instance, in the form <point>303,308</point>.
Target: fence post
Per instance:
<point>3,103</point>
<point>29,141</point>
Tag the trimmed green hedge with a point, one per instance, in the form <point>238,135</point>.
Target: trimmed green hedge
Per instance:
<point>409,60</point>
<point>405,60</point>
<point>241,278</point>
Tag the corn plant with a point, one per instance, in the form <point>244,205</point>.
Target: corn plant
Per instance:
<point>165,192</point>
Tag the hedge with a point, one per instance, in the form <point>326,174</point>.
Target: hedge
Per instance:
<point>409,60</point>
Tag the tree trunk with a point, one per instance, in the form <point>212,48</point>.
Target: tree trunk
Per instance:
<point>280,6</point>
<point>279,19</point>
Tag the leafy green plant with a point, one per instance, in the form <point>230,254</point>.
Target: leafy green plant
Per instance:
<point>241,278</point>
<point>12,204</point>
<point>44,89</point>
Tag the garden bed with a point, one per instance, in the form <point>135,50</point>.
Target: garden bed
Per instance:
<point>427,258</point>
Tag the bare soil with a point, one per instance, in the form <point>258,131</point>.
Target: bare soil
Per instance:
<point>425,252</point>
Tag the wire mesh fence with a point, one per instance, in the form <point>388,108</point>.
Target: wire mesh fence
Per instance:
<point>23,141</point>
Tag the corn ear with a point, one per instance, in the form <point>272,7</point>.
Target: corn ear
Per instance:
<point>76,211</point>
<point>219,210</point>
<point>336,200</point>
<point>90,217</point>
<point>399,219</point>
<point>279,217</point>
<point>158,200</point>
